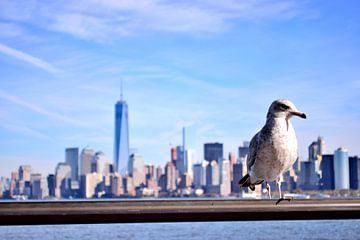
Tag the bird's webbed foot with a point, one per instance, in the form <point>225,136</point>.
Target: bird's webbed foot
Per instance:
<point>282,199</point>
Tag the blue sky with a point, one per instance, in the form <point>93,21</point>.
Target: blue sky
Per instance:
<point>213,66</point>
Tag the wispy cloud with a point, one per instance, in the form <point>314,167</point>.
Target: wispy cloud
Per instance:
<point>37,62</point>
<point>107,19</point>
<point>9,30</point>
<point>37,109</point>
<point>22,129</point>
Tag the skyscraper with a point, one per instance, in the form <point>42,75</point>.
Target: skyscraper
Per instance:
<point>180,160</point>
<point>62,177</point>
<point>215,173</point>
<point>341,169</point>
<point>309,179</point>
<point>149,171</point>
<point>136,169</point>
<point>244,150</point>
<point>36,186</point>
<point>189,161</point>
<point>213,151</point>
<point>121,141</point>
<point>237,175</point>
<point>327,172</point>
<point>173,155</point>
<point>86,157</point>
<point>72,158</point>
<point>51,184</point>
<point>116,185</point>
<point>197,175</point>
<point>354,165</point>
<point>225,181</point>
<point>91,182</point>
<point>170,173</point>
<point>316,150</point>
<point>205,173</point>
<point>184,149</point>
<point>101,163</point>
<point>25,173</point>
<point>158,172</point>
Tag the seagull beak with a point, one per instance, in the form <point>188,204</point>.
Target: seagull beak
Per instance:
<point>299,114</point>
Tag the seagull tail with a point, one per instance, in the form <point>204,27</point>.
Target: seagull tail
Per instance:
<point>245,182</point>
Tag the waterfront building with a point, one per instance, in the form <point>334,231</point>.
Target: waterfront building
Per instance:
<point>215,173</point>
<point>116,183</point>
<point>62,180</point>
<point>205,173</point>
<point>244,150</point>
<point>136,169</point>
<point>237,175</point>
<point>51,185</point>
<point>36,192</point>
<point>72,158</point>
<point>309,179</point>
<point>25,173</point>
<point>2,189</point>
<point>354,167</point>
<point>149,171</point>
<point>128,185</point>
<point>158,173</point>
<point>162,183</point>
<point>86,157</point>
<point>13,183</point>
<point>92,182</point>
<point>316,150</point>
<point>121,139</point>
<point>197,175</point>
<point>232,160</point>
<point>180,160</point>
<point>152,188</point>
<point>170,173</point>
<point>341,169</point>
<point>327,172</point>
<point>225,181</point>
<point>290,180</point>
<point>189,161</point>
<point>186,181</point>
<point>213,151</point>
<point>100,163</point>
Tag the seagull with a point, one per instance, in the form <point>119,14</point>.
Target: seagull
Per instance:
<point>273,150</point>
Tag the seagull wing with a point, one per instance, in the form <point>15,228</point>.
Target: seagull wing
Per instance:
<point>252,151</point>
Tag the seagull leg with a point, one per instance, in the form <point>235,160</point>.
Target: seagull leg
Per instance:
<point>279,187</point>
<point>268,189</point>
<point>278,182</point>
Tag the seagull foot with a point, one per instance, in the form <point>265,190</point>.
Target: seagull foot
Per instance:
<point>282,199</point>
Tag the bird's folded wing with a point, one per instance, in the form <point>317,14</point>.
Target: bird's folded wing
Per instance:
<point>252,151</point>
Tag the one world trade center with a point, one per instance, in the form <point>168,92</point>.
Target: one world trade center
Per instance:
<point>121,141</point>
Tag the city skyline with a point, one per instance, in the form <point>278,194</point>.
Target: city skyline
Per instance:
<point>183,156</point>
<point>213,68</point>
<point>215,176</point>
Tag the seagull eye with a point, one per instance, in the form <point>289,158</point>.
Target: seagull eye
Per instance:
<point>283,107</point>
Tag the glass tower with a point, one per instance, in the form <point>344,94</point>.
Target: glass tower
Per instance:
<point>121,141</point>
<point>72,158</point>
<point>341,169</point>
<point>213,151</point>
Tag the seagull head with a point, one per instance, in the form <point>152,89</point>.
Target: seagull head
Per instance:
<point>283,108</point>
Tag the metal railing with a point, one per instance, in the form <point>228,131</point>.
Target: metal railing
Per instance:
<point>184,210</point>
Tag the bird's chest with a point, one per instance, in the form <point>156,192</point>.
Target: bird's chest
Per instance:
<point>279,151</point>
<point>283,143</point>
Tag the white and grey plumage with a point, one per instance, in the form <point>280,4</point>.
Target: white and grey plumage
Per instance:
<point>273,150</point>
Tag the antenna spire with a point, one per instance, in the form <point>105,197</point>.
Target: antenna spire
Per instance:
<point>121,90</point>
